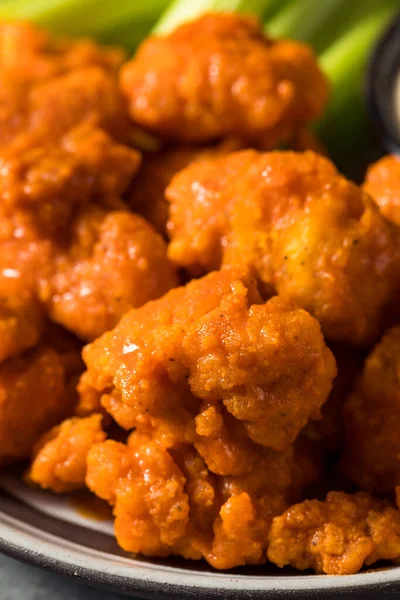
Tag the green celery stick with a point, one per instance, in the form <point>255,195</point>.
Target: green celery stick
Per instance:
<point>344,123</point>
<point>180,11</point>
<point>83,17</point>
<point>301,19</point>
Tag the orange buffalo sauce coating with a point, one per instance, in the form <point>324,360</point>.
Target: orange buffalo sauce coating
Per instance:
<point>212,364</point>
<point>382,182</point>
<point>34,396</point>
<point>220,76</point>
<point>59,456</point>
<point>147,194</point>
<point>337,536</point>
<point>70,249</point>
<point>168,502</point>
<point>307,232</point>
<point>114,261</point>
<point>219,385</point>
<point>49,85</point>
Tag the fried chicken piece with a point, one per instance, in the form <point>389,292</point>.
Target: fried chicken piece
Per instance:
<point>210,364</point>
<point>307,232</point>
<point>57,240</point>
<point>50,179</point>
<point>146,489</point>
<point>337,536</point>
<point>248,503</point>
<point>87,265</point>
<point>114,261</point>
<point>371,456</point>
<point>59,456</point>
<point>219,76</point>
<point>34,396</point>
<point>44,56</point>
<point>167,502</point>
<point>87,94</point>
<point>23,257</point>
<point>54,85</point>
<point>147,192</point>
<point>382,182</point>
<point>21,323</point>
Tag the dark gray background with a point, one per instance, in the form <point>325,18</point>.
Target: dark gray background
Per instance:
<point>23,582</point>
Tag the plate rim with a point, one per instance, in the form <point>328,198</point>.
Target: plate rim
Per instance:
<point>26,542</point>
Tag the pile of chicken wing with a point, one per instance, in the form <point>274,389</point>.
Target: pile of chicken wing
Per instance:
<point>239,302</point>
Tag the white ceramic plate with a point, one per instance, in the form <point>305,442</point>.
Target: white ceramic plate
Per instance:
<point>47,531</point>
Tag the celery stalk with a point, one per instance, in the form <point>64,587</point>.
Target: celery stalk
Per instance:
<point>302,19</point>
<point>322,25</point>
<point>180,11</point>
<point>85,17</point>
<point>344,123</point>
<point>345,20</point>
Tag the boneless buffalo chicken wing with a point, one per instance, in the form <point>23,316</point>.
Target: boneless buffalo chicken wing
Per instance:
<point>35,394</point>
<point>220,76</point>
<point>48,86</point>
<point>114,261</point>
<point>307,233</point>
<point>336,536</point>
<point>147,194</point>
<point>382,182</point>
<point>169,502</point>
<point>89,257</point>
<point>59,456</point>
<point>211,394</point>
<point>212,364</point>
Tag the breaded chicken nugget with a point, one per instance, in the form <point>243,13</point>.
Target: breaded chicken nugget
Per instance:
<point>44,56</point>
<point>49,179</point>
<point>382,182</point>
<point>147,195</point>
<point>59,456</point>
<point>219,76</point>
<point>113,261</point>
<point>34,396</point>
<point>21,323</point>
<point>307,232</point>
<point>53,85</point>
<point>168,502</point>
<point>211,364</point>
<point>23,259</point>
<point>337,536</point>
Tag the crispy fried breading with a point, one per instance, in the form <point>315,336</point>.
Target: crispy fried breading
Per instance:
<point>306,231</point>
<point>48,86</point>
<point>337,536</point>
<point>50,179</point>
<point>382,182</point>
<point>147,193</point>
<point>168,502</point>
<point>219,76</point>
<point>34,396</point>
<point>210,363</point>
<point>114,261</point>
<point>59,456</point>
